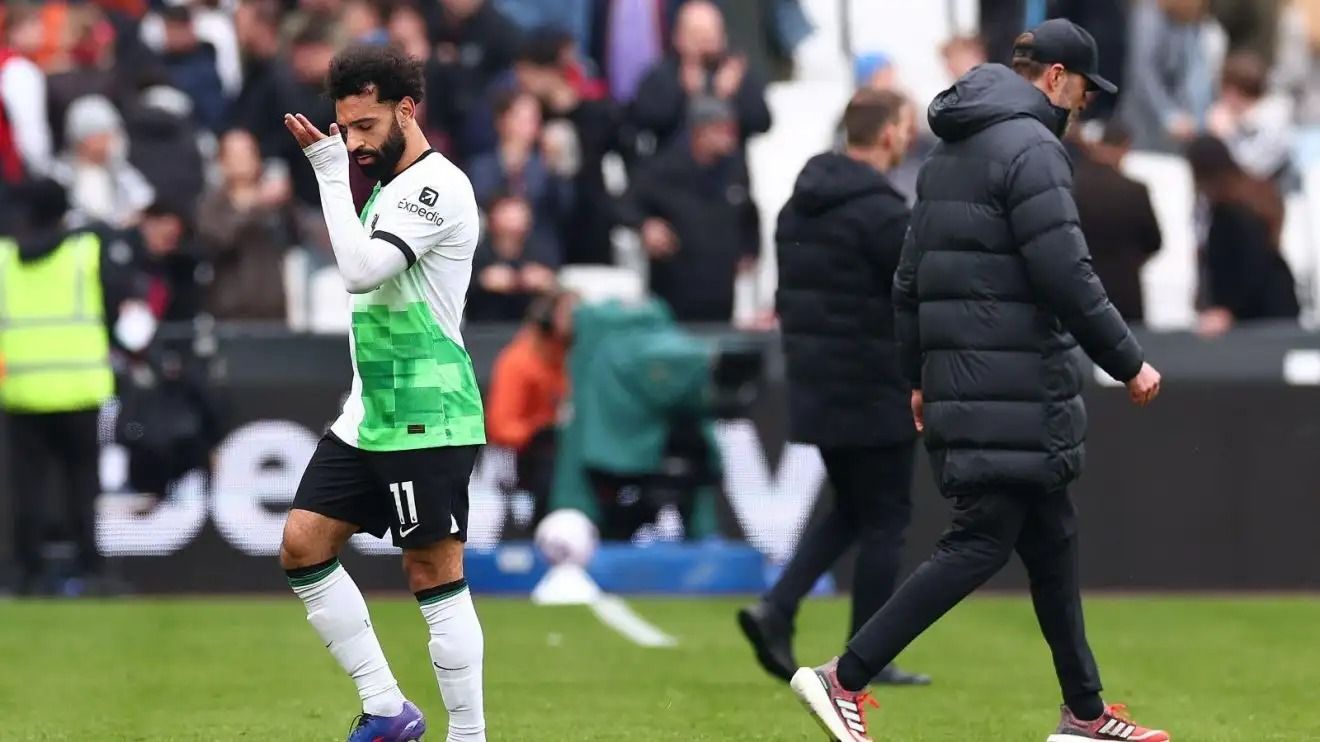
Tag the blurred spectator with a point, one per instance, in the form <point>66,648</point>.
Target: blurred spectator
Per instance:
<point>163,143</point>
<point>243,232</point>
<point>570,16</point>
<point>1173,64</point>
<point>103,186</point>
<point>211,25</point>
<point>190,65</point>
<point>94,70</point>
<point>697,219</point>
<point>299,88</point>
<point>875,71</point>
<point>513,264</point>
<point>961,54</point>
<point>257,25</point>
<point>1107,22</point>
<point>474,43</point>
<point>517,166</point>
<point>628,38</point>
<point>1298,67</point>
<point>701,65</point>
<point>577,135</point>
<point>1117,219</point>
<point>364,22</point>
<point>57,372</point>
<point>1255,123</point>
<point>176,276</point>
<point>1251,25</point>
<point>1244,276</point>
<point>25,141</point>
<point>527,386</point>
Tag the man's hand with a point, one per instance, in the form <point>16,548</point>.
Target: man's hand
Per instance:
<point>658,238</point>
<point>918,411</point>
<point>498,279</point>
<point>536,277</point>
<point>1182,127</point>
<point>692,76</point>
<point>1145,386</point>
<point>1214,322</point>
<point>730,77</point>
<point>304,131</point>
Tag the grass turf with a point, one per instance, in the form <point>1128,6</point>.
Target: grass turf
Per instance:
<point>1211,670</point>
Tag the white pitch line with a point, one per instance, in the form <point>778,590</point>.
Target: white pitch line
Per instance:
<point>616,614</point>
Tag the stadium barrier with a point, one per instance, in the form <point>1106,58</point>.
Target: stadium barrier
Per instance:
<point>1214,487</point>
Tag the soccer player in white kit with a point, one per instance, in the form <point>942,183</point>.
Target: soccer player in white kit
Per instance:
<point>401,453</point>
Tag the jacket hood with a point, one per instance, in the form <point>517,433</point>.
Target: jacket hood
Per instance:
<point>988,95</point>
<point>830,179</point>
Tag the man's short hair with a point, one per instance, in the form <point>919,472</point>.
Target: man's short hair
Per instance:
<point>1026,66</point>
<point>869,112</point>
<point>388,70</point>
<point>1247,72</point>
<point>963,43</point>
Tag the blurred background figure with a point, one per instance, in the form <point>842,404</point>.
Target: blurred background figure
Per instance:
<point>177,278</point>
<point>1255,123</point>
<point>60,292</point>
<point>527,387</point>
<point>699,225</point>
<point>25,137</point>
<point>474,44</point>
<point>961,54</point>
<point>244,232</point>
<point>1175,51</point>
<point>838,241</point>
<point>514,263</point>
<point>103,186</point>
<point>518,167</point>
<point>1243,275</point>
<point>190,66</point>
<point>875,71</point>
<point>1117,219</point>
<point>700,65</point>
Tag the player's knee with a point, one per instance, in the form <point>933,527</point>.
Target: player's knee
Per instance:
<point>300,552</point>
<point>431,567</point>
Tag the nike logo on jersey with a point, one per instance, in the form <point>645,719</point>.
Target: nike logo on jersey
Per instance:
<point>403,532</point>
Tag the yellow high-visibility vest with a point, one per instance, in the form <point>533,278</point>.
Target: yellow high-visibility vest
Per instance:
<point>53,338</point>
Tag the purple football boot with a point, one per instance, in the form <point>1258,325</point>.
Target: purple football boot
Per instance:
<point>408,726</point>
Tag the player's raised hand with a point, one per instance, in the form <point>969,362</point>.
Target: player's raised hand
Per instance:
<point>304,131</point>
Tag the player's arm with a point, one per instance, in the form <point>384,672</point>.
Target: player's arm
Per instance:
<point>365,260</point>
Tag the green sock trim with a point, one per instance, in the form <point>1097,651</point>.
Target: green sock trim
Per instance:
<point>432,600</point>
<point>315,577</point>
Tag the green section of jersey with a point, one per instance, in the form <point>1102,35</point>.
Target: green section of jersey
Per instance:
<point>418,388</point>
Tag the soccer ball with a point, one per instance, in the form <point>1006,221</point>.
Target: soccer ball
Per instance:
<point>567,537</point>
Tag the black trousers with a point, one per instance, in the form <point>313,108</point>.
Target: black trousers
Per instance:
<point>872,509</point>
<point>986,530</point>
<point>54,454</point>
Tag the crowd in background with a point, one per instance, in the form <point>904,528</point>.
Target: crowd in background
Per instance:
<point>162,120</point>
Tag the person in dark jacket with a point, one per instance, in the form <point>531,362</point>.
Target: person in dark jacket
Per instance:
<point>1117,219</point>
<point>994,290</point>
<point>1244,277</point>
<point>839,237</point>
<point>698,223</point>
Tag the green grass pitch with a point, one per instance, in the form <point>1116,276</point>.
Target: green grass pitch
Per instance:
<point>1211,670</point>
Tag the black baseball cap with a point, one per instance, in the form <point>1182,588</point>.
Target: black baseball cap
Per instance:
<point>1060,41</point>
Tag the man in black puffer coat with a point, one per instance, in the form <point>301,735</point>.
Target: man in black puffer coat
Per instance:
<point>839,238</point>
<point>993,293</point>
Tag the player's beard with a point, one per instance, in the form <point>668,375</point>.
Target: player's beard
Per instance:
<point>387,156</point>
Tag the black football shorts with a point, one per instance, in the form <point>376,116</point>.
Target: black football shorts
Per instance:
<point>419,496</point>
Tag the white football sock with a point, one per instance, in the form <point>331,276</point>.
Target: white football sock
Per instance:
<point>336,610</point>
<point>457,647</point>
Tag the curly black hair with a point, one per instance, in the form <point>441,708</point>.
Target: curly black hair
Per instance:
<point>388,69</point>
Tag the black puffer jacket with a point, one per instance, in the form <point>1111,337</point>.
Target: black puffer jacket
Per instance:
<point>995,290</point>
<point>839,239</point>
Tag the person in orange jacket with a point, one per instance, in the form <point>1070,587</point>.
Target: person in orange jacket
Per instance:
<point>527,386</point>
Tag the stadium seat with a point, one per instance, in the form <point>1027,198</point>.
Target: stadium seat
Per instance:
<point>1169,279</point>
